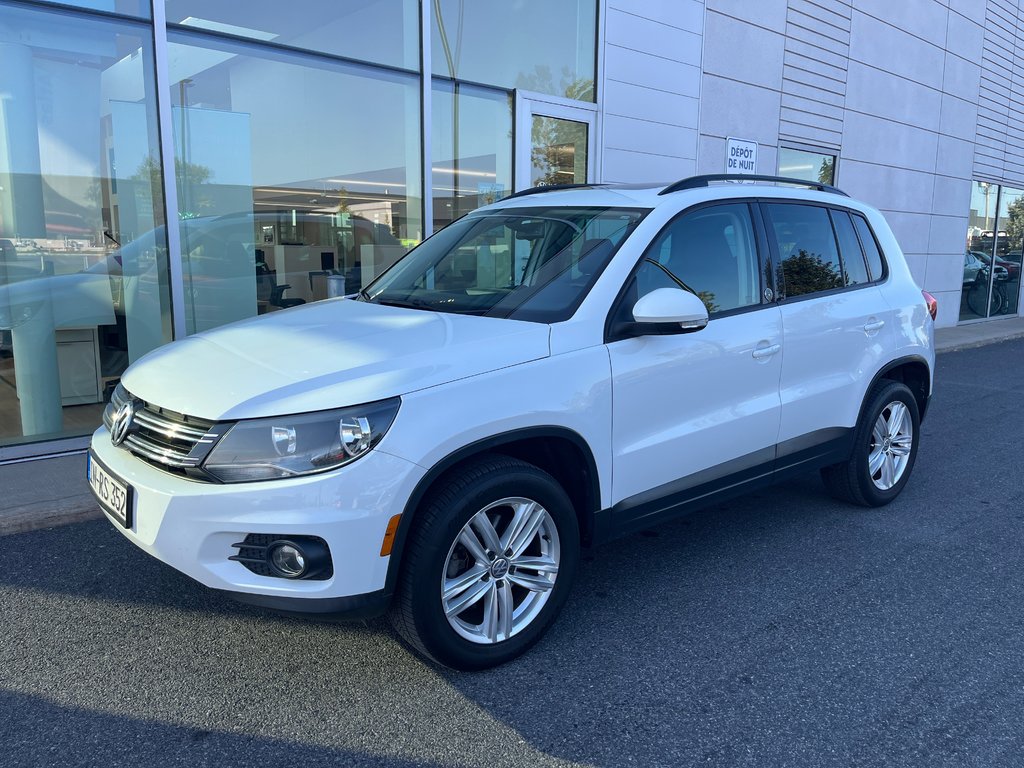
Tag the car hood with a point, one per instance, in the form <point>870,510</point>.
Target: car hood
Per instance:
<point>325,355</point>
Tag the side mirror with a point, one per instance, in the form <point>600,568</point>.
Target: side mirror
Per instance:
<point>671,305</point>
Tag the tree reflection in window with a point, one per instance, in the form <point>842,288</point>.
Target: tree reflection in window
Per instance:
<point>808,273</point>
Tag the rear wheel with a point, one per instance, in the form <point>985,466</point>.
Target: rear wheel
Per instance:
<point>489,564</point>
<point>885,447</point>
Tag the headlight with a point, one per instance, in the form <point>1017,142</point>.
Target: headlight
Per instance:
<point>287,446</point>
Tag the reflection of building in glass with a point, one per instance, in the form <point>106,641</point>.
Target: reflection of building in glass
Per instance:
<point>299,154</point>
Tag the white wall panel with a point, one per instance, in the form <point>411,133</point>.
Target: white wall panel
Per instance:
<point>622,165</point>
<point>651,89</point>
<point>654,37</point>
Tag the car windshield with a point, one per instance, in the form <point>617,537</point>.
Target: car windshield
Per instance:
<point>532,264</point>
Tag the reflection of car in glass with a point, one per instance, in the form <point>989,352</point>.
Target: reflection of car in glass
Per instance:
<point>976,266</point>
<point>1011,267</point>
<point>542,373</point>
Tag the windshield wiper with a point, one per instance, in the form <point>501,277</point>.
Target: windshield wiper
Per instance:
<point>405,304</point>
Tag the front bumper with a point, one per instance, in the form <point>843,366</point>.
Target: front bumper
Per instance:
<point>192,525</point>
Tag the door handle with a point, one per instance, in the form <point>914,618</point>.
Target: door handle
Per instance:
<point>875,325</point>
<point>763,352</point>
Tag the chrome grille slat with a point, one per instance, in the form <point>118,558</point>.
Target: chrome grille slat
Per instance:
<point>170,429</point>
<point>168,440</point>
<point>165,456</point>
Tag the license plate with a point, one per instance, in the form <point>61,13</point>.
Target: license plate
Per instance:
<point>114,495</point>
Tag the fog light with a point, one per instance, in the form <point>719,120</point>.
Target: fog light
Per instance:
<point>288,559</point>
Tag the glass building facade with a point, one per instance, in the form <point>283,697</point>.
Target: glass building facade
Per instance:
<point>168,166</point>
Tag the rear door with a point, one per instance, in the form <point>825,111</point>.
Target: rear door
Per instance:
<point>837,325</point>
<point>691,410</point>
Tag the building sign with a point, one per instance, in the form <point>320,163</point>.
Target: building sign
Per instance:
<point>740,156</point>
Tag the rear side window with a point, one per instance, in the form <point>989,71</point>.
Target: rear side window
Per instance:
<point>855,271</point>
<point>867,240</point>
<point>807,248</point>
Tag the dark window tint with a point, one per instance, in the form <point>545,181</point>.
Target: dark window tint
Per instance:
<point>855,271</point>
<point>711,252</point>
<point>807,248</point>
<point>870,248</point>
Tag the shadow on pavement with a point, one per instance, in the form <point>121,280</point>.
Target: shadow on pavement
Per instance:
<point>29,722</point>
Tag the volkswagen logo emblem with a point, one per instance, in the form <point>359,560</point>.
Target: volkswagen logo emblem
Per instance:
<point>122,422</point>
<point>499,568</point>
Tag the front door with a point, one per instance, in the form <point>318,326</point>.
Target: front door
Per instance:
<point>695,411</point>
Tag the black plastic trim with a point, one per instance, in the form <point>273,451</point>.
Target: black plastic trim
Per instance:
<point>681,497</point>
<point>363,606</point>
<point>820,448</point>
<point>899,363</point>
<point>552,188</point>
<point>733,478</point>
<point>474,449</point>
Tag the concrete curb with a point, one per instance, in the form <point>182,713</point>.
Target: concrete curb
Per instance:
<point>955,346</point>
<point>49,514</point>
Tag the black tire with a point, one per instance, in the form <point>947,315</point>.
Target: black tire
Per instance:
<point>852,480</point>
<point>417,612</point>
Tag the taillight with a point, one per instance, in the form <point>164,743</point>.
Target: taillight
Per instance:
<point>933,304</point>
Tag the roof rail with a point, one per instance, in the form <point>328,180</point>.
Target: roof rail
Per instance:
<point>695,182</point>
<point>550,188</point>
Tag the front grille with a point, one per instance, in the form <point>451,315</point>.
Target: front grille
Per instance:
<point>166,439</point>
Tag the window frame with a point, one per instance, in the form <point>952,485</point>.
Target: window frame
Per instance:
<point>781,296</point>
<point>617,330</point>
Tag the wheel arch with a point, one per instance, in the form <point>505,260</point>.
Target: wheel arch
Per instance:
<point>914,372</point>
<point>561,452</point>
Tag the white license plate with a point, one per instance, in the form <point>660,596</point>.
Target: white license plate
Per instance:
<point>114,495</point>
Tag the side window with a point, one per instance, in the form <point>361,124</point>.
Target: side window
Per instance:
<point>855,272</point>
<point>710,251</point>
<point>807,248</point>
<point>867,240</point>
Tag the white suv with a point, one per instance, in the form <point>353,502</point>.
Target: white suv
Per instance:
<point>559,368</point>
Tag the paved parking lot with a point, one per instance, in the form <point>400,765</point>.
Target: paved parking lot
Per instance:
<point>779,629</point>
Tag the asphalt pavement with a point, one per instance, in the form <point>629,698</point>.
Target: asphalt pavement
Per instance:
<point>782,628</point>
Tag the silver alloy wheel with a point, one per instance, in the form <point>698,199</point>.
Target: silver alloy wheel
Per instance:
<point>500,570</point>
<point>891,440</point>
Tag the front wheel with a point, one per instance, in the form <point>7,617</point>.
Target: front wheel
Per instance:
<point>885,447</point>
<point>490,561</point>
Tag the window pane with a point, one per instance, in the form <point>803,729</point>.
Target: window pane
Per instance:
<point>976,291</point>
<point>1006,286</point>
<point>807,248</point>
<point>127,7</point>
<point>546,46</point>
<point>290,189</point>
<point>870,245</point>
<point>83,258</point>
<point>379,31</point>
<point>473,165</point>
<point>532,264</point>
<point>713,253</point>
<point>558,152</point>
<point>811,166</point>
<point>854,268</point>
